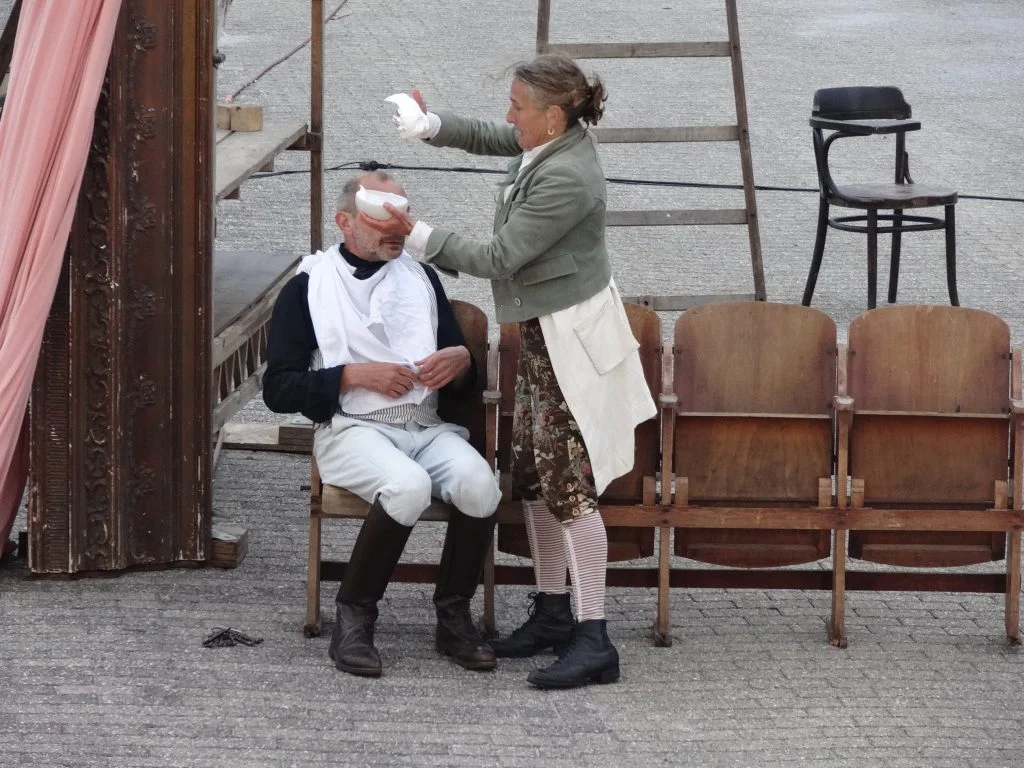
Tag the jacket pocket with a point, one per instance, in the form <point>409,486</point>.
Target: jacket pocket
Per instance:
<point>606,337</point>
<point>548,269</point>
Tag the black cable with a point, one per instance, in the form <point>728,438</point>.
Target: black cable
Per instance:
<point>375,165</point>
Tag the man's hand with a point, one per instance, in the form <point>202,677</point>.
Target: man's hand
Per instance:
<point>443,366</point>
<point>388,379</point>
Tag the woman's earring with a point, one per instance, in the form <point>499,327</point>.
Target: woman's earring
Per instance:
<point>551,131</point>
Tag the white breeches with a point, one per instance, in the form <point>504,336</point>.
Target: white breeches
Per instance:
<point>403,467</point>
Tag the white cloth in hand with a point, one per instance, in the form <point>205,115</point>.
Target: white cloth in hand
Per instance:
<point>411,121</point>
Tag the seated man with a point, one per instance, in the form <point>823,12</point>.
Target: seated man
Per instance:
<point>361,340</point>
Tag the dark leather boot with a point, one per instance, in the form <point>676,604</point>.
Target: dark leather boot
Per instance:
<point>549,626</point>
<point>590,658</point>
<point>466,545</point>
<point>352,648</point>
<point>378,546</point>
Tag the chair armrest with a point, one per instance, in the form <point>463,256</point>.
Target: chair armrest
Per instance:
<point>865,127</point>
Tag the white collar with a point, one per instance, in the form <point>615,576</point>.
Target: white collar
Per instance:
<point>529,155</point>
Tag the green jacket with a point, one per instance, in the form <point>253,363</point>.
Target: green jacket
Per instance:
<point>548,250</point>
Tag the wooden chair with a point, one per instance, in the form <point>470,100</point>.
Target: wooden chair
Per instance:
<point>476,410</point>
<point>850,112</point>
<point>935,439</point>
<point>629,505</point>
<point>751,446</point>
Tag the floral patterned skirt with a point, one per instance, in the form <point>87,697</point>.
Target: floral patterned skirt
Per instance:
<point>549,458</point>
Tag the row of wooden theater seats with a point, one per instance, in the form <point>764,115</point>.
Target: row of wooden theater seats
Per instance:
<point>782,447</point>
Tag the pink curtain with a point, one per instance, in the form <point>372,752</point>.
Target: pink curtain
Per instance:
<point>60,58</point>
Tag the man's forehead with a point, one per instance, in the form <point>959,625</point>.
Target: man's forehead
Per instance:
<point>371,182</point>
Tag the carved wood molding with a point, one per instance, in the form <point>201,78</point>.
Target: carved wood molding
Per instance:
<point>121,402</point>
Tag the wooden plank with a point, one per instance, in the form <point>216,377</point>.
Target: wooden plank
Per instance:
<point>755,357</point>
<point>708,578</point>
<point>237,400</point>
<point>543,24</point>
<point>746,163</point>
<point>924,550</point>
<point>929,359</point>
<point>240,155</point>
<point>938,461</point>
<point>934,415</point>
<point>696,133</point>
<point>254,317</point>
<point>680,303</point>
<point>782,517</point>
<point>684,50</point>
<point>677,218</point>
<point>257,437</point>
<point>242,278</point>
<point>727,416</point>
<point>753,459</point>
<point>313,140</point>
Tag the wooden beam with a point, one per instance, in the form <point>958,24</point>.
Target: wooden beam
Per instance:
<point>237,400</point>
<point>640,50</point>
<point>684,217</point>
<point>690,133</point>
<point>682,302</point>
<point>240,155</point>
<point>231,338</point>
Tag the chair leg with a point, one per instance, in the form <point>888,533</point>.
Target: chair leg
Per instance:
<point>1013,587</point>
<point>489,629</point>
<point>313,624</point>
<point>662,625</point>
<point>894,263</point>
<point>837,623</point>
<point>819,250</point>
<point>951,254</point>
<point>872,257</point>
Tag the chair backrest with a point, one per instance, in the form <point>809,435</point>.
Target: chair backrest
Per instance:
<point>861,103</point>
<point>467,409</point>
<point>950,361</point>
<point>851,103</point>
<point>754,358</point>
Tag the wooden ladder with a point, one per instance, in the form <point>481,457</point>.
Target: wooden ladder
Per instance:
<point>689,217</point>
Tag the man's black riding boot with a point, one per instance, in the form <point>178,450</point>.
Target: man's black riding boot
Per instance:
<point>466,545</point>
<point>549,626</point>
<point>378,546</point>
<point>591,658</point>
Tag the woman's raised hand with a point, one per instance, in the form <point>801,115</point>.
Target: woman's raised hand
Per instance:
<point>411,117</point>
<point>400,222</point>
<point>418,98</point>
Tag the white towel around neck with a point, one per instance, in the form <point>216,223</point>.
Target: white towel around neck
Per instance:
<point>385,318</point>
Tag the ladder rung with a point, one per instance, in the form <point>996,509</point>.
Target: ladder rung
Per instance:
<point>682,133</point>
<point>680,303</point>
<point>640,50</point>
<point>690,216</point>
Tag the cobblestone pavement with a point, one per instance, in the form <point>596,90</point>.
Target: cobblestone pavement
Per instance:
<point>111,672</point>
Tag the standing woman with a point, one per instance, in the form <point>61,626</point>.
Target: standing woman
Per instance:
<point>580,388</point>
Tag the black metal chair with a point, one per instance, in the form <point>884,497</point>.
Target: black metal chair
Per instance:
<point>868,111</point>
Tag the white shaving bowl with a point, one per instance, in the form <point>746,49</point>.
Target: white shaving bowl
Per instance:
<point>371,202</point>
